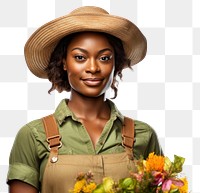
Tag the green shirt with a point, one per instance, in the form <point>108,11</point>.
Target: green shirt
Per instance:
<point>30,151</point>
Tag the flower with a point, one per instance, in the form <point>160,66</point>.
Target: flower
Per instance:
<point>84,183</point>
<point>107,186</point>
<point>156,174</point>
<point>155,163</point>
<point>79,185</point>
<point>182,189</point>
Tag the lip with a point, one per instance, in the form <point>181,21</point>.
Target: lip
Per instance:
<point>92,81</point>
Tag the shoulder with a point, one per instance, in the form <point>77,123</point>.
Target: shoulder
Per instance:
<point>146,140</point>
<point>33,130</point>
<point>144,131</point>
<point>30,141</point>
<point>142,127</point>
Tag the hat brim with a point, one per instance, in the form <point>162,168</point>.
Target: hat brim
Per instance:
<point>42,42</point>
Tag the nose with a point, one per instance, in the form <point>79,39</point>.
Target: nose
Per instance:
<point>92,66</point>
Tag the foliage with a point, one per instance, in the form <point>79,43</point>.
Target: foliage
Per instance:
<point>156,174</point>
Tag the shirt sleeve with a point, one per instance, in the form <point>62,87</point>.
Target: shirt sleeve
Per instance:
<point>24,160</point>
<point>146,140</point>
<point>153,144</point>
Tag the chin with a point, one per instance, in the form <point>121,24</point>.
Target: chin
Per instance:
<point>92,94</point>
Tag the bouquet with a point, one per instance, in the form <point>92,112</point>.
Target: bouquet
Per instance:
<point>156,174</point>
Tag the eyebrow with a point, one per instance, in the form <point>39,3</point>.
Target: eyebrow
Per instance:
<point>99,52</point>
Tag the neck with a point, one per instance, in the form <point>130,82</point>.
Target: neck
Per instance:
<point>89,107</point>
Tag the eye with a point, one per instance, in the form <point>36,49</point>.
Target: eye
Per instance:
<point>79,58</point>
<point>105,58</point>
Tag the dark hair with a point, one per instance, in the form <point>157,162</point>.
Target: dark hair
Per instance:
<point>58,77</point>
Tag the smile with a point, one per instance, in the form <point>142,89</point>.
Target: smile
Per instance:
<point>92,81</point>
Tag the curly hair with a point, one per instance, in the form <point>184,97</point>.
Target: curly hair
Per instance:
<point>58,77</point>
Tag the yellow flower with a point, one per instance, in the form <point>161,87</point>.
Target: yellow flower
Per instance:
<point>155,162</point>
<point>79,185</point>
<point>89,188</point>
<point>182,189</point>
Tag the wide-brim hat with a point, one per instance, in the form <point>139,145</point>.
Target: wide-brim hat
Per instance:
<point>42,42</point>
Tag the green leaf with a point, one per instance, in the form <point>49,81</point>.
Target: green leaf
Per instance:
<point>167,164</point>
<point>99,189</point>
<point>127,184</point>
<point>174,191</point>
<point>178,164</point>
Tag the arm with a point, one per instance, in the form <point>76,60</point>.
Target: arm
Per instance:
<point>146,140</point>
<point>154,145</point>
<point>24,162</point>
<point>16,186</point>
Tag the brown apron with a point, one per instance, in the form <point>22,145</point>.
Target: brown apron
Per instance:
<point>61,170</point>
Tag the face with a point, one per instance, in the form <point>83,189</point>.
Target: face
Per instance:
<point>90,64</point>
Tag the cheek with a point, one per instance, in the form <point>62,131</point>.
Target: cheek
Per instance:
<point>74,74</point>
<point>73,80</point>
<point>73,68</point>
<point>110,71</point>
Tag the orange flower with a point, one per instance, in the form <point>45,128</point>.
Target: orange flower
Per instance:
<point>155,163</point>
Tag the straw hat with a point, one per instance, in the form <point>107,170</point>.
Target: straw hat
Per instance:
<point>41,44</point>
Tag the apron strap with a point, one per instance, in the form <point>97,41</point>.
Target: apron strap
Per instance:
<point>128,136</point>
<point>54,139</point>
<point>52,136</point>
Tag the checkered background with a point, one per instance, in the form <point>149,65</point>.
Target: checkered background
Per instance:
<point>163,90</point>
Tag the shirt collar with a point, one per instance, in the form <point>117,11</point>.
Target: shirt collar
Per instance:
<point>62,112</point>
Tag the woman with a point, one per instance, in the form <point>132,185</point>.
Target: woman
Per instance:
<point>82,52</point>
